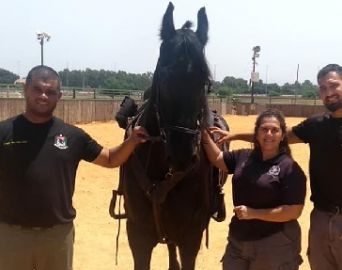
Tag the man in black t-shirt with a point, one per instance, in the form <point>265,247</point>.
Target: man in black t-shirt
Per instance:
<point>323,133</point>
<point>39,157</point>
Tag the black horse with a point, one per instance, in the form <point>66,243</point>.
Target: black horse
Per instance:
<point>168,181</point>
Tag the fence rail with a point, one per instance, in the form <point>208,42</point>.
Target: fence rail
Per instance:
<point>293,100</point>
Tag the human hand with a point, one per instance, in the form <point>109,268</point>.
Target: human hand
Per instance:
<point>243,212</point>
<point>219,135</point>
<point>138,135</point>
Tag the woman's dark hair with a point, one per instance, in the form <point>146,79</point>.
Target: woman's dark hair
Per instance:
<point>284,144</point>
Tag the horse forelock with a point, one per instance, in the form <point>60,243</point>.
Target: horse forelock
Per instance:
<point>187,25</point>
<point>183,54</point>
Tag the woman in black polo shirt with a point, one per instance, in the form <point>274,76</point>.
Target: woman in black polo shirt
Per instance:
<point>269,190</point>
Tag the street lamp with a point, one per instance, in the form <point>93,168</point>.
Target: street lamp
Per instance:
<point>41,36</point>
<point>254,75</point>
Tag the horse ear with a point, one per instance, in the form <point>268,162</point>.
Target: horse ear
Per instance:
<point>202,26</point>
<point>168,29</point>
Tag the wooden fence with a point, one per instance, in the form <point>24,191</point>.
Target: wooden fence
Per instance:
<point>86,111</point>
<point>71,111</point>
<point>294,110</point>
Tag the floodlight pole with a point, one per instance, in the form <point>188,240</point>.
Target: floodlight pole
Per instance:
<point>42,51</point>
<point>296,85</point>
<point>41,36</point>
<point>252,90</point>
<point>256,51</point>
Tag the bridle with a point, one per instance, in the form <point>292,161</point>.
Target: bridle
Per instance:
<point>164,127</point>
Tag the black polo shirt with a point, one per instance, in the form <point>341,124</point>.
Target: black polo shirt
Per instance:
<point>261,185</point>
<point>324,136</point>
<point>38,164</point>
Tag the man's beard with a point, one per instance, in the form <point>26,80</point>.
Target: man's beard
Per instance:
<point>334,106</point>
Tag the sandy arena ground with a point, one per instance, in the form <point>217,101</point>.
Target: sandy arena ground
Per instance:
<point>96,231</point>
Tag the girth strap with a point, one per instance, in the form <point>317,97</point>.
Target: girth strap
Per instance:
<point>157,192</point>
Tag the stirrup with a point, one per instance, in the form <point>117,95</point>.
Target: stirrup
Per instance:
<point>112,206</point>
<point>220,213</point>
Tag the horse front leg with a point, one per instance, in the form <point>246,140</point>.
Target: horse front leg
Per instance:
<point>141,244</point>
<point>173,261</point>
<point>188,251</point>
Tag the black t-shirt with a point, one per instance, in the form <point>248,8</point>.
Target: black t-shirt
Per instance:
<point>261,185</point>
<point>324,136</point>
<point>38,164</point>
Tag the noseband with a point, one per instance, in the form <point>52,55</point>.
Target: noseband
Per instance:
<point>183,129</point>
<point>164,127</point>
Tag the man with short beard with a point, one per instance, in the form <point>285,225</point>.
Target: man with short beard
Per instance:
<point>323,133</point>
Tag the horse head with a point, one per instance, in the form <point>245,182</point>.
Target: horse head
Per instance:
<point>179,88</point>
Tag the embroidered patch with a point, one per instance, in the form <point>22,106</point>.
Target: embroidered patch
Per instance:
<point>61,142</point>
<point>274,171</point>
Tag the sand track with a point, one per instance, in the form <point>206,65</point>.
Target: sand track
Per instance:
<point>96,230</point>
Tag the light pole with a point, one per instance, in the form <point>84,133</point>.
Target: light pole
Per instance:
<point>266,81</point>
<point>41,36</point>
<point>254,75</point>
<point>296,84</point>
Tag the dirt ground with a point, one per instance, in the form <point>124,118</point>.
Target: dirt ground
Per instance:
<point>96,231</point>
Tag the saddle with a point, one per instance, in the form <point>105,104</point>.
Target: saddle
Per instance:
<point>219,178</point>
<point>128,109</point>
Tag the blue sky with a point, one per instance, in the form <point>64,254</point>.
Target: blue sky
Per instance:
<point>123,35</point>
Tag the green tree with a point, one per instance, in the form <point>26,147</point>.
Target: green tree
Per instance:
<point>7,77</point>
<point>106,79</point>
<point>309,90</point>
<point>237,85</point>
<point>273,89</point>
<point>225,91</point>
<point>288,89</point>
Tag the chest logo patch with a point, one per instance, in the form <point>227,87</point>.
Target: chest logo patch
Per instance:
<point>61,142</point>
<point>274,171</point>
